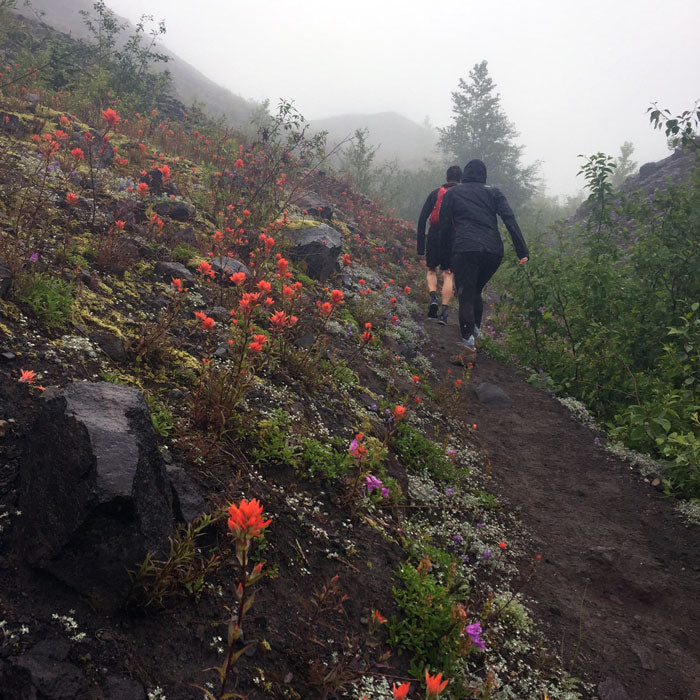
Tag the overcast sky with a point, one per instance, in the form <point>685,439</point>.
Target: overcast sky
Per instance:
<point>575,77</point>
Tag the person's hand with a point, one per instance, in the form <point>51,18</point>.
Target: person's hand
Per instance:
<point>522,261</point>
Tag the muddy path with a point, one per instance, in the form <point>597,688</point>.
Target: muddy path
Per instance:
<point>618,591</point>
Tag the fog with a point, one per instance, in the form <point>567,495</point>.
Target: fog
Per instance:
<point>574,77</point>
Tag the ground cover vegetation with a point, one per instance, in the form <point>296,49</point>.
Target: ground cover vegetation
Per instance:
<point>608,311</point>
<point>350,546</point>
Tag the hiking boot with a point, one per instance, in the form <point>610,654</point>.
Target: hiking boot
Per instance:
<point>433,309</point>
<point>442,317</point>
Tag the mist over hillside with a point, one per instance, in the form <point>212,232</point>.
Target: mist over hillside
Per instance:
<point>397,137</point>
<point>189,84</point>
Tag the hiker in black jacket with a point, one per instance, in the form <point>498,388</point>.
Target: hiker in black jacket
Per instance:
<point>431,247</point>
<point>471,246</point>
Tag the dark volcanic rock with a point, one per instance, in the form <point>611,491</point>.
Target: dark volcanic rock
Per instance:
<point>98,500</point>
<point>173,270</point>
<point>111,344</point>
<point>187,502</point>
<point>612,689</point>
<point>223,265</point>
<point>186,235</point>
<point>12,123</point>
<point>31,676</point>
<point>124,689</point>
<point>5,280</point>
<point>176,209</point>
<point>156,184</point>
<point>319,248</point>
<point>492,395</point>
<point>316,206</point>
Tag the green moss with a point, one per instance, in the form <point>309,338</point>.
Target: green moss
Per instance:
<point>9,310</point>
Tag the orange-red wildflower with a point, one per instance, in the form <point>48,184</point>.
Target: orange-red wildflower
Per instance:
<point>434,684</point>
<point>400,692</point>
<point>111,117</point>
<point>27,376</point>
<point>399,412</point>
<point>245,519</point>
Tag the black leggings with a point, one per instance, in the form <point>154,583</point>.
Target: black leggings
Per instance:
<point>472,271</point>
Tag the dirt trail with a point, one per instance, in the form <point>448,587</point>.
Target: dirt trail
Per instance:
<point>606,537</point>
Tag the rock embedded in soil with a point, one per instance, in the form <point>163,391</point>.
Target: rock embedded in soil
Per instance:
<point>492,395</point>
<point>611,689</point>
<point>175,209</point>
<point>36,676</point>
<point>124,689</point>
<point>173,270</point>
<point>187,503</point>
<point>225,266</point>
<point>319,247</point>
<point>5,280</point>
<point>99,500</point>
<point>316,206</point>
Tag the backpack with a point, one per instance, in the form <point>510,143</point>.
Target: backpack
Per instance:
<point>435,213</point>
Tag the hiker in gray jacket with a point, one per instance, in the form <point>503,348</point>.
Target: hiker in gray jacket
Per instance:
<point>471,246</point>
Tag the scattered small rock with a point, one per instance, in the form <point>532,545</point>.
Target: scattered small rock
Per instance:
<point>173,270</point>
<point>5,280</point>
<point>646,656</point>
<point>124,689</point>
<point>612,689</point>
<point>492,395</point>
<point>175,209</point>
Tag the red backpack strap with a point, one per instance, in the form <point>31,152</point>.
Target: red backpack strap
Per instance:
<point>435,213</point>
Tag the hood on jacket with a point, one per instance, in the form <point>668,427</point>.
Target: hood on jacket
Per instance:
<point>474,171</point>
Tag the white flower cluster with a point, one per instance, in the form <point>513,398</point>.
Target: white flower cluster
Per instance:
<point>70,626</point>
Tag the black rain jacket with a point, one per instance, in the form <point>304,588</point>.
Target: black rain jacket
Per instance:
<point>425,215</point>
<point>468,218</point>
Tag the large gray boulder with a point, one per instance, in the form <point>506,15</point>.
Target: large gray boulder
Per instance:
<point>319,247</point>
<point>94,494</point>
<point>224,266</point>
<point>313,205</point>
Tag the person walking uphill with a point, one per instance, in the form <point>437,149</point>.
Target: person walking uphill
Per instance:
<point>471,247</point>
<point>430,246</point>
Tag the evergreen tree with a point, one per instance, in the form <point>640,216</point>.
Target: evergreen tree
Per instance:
<point>624,165</point>
<point>481,129</point>
<point>357,160</point>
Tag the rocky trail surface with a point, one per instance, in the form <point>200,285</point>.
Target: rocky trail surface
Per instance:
<point>618,591</point>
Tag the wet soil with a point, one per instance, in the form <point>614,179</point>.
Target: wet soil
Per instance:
<point>618,592</point>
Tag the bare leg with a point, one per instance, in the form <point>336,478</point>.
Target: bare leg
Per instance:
<point>447,288</point>
<point>431,276</point>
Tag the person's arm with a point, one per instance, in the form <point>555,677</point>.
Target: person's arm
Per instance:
<point>423,220</point>
<point>506,213</point>
<point>446,230</point>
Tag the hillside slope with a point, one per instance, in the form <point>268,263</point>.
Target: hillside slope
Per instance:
<point>189,83</point>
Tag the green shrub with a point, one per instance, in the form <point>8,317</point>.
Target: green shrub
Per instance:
<point>324,460</point>
<point>50,298</point>
<point>183,253</point>
<point>430,628</point>
<point>419,454</point>
<point>161,417</point>
<point>273,443</point>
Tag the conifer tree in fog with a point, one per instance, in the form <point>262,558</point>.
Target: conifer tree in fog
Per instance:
<point>481,129</point>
